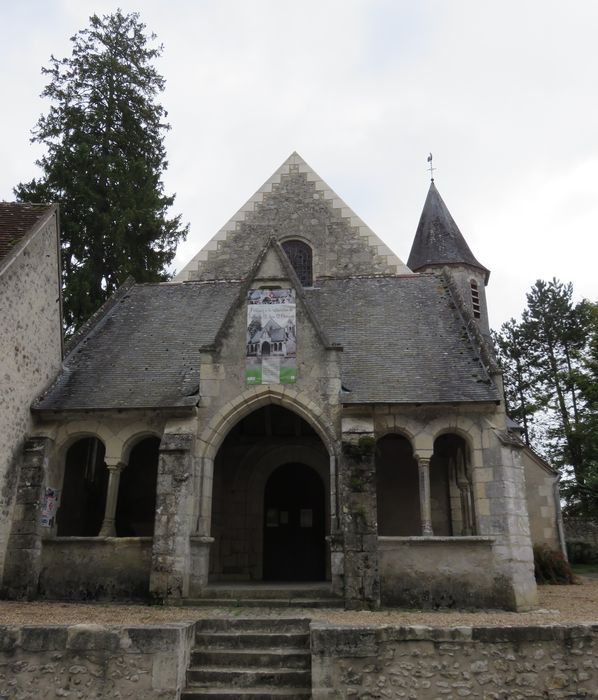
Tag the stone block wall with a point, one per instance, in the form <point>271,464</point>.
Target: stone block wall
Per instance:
<point>93,661</point>
<point>541,502</point>
<point>581,535</point>
<point>95,568</point>
<point>497,663</point>
<point>30,348</point>
<point>433,572</point>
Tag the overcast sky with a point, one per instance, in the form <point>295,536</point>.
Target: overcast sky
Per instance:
<point>504,94</point>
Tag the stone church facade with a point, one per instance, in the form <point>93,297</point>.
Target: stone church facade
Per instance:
<point>296,405</point>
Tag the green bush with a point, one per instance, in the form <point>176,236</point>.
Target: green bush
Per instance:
<point>550,566</point>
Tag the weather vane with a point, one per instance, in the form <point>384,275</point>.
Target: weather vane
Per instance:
<point>432,168</point>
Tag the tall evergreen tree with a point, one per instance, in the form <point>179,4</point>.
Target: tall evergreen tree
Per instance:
<point>522,395</point>
<point>556,332</point>
<point>104,135</point>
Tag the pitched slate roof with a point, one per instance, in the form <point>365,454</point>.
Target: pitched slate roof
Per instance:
<point>438,240</point>
<point>144,352</point>
<point>403,341</point>
<point>16,220</point>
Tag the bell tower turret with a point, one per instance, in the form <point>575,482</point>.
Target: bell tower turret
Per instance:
<point>439,243</point>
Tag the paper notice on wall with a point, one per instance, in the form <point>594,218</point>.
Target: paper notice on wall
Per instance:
<point>271,346</point>
<point>50,504</point>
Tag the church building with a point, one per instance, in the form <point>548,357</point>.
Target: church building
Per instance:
<point>297,405</point>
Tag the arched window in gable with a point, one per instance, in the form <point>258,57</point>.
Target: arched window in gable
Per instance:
<point>300,257</point>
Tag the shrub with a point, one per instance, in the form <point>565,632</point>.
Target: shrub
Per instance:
<point>550,566</point>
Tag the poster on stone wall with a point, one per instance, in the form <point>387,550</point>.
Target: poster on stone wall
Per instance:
<point>49,506</point>
<point>271,348</point>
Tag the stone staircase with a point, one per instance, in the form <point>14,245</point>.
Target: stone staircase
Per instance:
<point>249,658</point>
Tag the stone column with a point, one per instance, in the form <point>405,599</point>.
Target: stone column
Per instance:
<point>23,555</point>
<point>115,468</point>
<point>171,554</point>
<point>423,466</point>
<point>465,495</point>
<point>358,517</point>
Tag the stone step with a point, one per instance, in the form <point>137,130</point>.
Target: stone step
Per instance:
<point>288,658</point>
<point>264,602</point>
<point>254,624</point>
<point>252,640</point>
<point>263,693</point>
<point>222,591</point>
<point>248,678</point>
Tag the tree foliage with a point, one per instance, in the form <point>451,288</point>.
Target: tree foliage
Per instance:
<point>104,138</point>
<point>550,365</point>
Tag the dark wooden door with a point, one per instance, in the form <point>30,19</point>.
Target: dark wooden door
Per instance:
<point>294,546</point>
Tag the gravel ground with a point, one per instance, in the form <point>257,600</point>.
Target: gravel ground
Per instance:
<point>557,604</point>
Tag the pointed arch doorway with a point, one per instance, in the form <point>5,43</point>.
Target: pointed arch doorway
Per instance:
<point>294,528</point>
<point>270,502</point>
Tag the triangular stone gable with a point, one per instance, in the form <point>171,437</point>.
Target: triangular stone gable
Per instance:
<point>295,203</point>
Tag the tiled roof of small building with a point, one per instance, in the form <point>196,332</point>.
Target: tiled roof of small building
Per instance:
<point>16,220</point>
<point>403,342</point>
<point>438,240</point>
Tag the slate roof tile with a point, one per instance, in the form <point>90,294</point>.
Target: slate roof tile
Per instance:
<point>16,219</point>
<point>403,342</point>
<point>144,353</point>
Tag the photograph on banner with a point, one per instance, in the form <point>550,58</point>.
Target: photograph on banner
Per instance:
<point>271,337</point>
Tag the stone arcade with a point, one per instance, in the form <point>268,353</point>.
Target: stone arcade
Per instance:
<point>297,405</point>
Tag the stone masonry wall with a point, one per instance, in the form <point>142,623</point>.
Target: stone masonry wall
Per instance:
<point>93,661</point>
<point>30,348</point>
<point>493,663</point>
<point>541,503</point>
<point>295,209</point>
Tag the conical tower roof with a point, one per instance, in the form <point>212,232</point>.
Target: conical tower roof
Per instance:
<point>438,240</point>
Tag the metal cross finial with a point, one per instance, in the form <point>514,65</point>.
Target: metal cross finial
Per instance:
<point>432,168</point>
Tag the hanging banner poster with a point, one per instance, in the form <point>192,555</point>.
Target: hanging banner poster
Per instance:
<point>271,337</point>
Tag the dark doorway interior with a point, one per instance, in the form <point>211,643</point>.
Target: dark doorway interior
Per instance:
<point>294,546</point>
<point>83,490</point>
<point>136,506</point>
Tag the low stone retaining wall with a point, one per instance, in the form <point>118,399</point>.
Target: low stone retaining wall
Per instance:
<point>440,572</point>
<point>92,661</point>
<point>89,662</point>
<point>581,536</point>
<point>95,568</point>
<point>497,663</point>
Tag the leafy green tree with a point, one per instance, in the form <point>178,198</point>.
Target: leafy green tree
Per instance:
<point>550,372</point>
<point>104,135</point>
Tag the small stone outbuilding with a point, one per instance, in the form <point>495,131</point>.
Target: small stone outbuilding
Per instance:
<point>296,405</point>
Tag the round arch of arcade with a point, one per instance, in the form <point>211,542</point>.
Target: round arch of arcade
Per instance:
<point>254,478</point>
<point>297,402</point>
